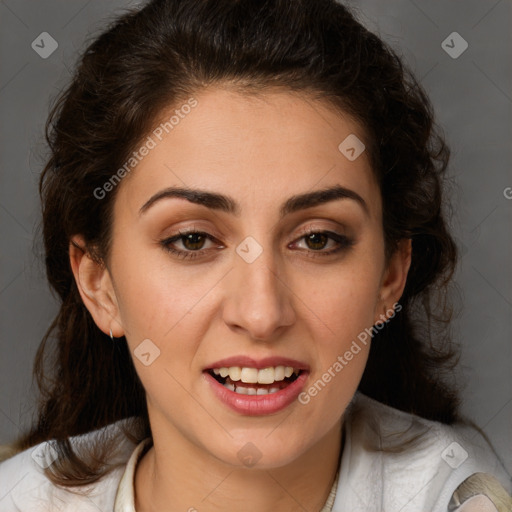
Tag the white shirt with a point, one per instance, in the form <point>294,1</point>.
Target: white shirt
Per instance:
<point>392,461</point>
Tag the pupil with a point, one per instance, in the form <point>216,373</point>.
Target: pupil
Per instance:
<point>191,238</point>
<point>312,237</point>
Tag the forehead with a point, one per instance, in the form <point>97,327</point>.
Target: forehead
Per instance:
<point>259,148</point>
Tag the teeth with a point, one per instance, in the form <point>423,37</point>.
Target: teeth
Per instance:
<point>235,372</point>
<point>266,376</point>
<point>254,376</point>
<point>279,373</point>
<point>243,390</point>
<point>249,375</point>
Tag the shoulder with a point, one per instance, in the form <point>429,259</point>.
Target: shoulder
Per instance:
<point>24,487</point>
<point>399,461</point>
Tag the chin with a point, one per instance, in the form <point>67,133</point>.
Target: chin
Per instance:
<point>258,452</point>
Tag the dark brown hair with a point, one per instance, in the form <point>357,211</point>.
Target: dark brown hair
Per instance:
<point>152,58</point>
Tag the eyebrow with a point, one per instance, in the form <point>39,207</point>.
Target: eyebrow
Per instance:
<point>227,204</point>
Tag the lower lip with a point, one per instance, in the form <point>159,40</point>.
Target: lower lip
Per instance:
<point>256,405</point>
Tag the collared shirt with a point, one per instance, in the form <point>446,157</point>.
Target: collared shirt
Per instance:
<point>391,460</point>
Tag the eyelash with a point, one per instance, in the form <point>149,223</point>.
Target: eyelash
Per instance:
<point>343,243</point>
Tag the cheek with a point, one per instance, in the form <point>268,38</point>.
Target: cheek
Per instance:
<point>342,305</point>
<point>343,297</point>
<point>342,341</point>
<point>155,295</point>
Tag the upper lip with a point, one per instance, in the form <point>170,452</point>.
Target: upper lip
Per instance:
<point>249,362</point>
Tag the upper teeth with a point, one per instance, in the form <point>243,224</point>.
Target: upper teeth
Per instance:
<point>253,375</point>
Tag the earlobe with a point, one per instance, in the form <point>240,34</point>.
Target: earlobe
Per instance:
<point>394,278</point>
<point>95,286</point>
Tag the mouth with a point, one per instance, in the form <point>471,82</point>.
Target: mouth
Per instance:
<point>253,381</point>
<point>255,387</point>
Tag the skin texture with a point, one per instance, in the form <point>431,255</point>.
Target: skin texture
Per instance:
<point>291,301</point>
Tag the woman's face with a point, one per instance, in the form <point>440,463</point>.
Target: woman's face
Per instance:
<point>252,290</point>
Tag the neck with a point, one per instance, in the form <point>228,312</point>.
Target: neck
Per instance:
<point>177,480</point>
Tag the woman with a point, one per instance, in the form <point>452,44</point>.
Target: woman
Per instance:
<point>243,219</point>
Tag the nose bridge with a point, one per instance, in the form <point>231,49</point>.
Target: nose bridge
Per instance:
<point>258,301</point>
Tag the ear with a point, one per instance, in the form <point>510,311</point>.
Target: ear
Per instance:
<point>394,279</point>
<point>95,286</point>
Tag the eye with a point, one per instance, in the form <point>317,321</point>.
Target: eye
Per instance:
<point>315,241</point>
<point>192,241</point>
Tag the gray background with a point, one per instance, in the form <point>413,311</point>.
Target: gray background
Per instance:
<point>472,96</point>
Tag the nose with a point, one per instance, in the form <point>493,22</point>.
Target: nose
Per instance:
<point>258,299</point>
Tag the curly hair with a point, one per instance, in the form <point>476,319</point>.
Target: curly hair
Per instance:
<point>153,57</point>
